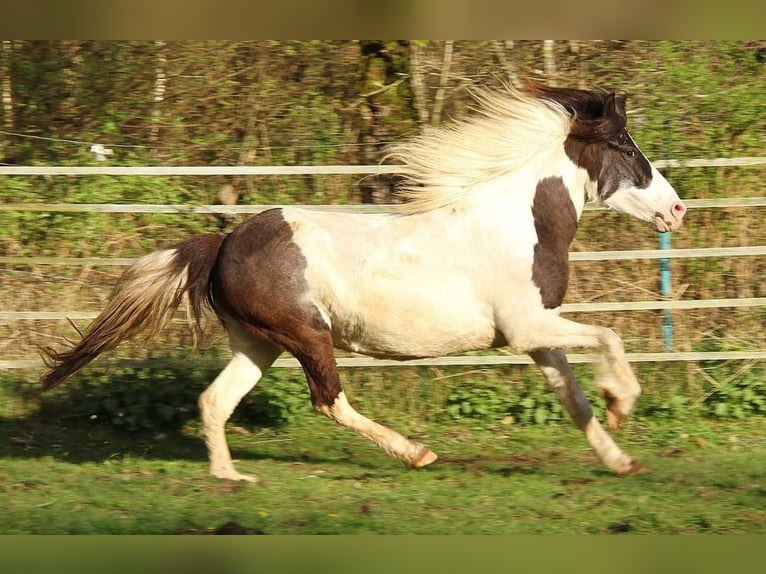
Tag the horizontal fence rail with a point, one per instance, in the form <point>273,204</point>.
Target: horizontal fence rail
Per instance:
<point>158,208</point>
<point>695,253</point>
<point>308,169</point>
<point>565,308</point>
<point>450,361</point>
<point>345,361</point>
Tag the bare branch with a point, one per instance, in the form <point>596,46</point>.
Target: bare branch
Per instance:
<point>418,83</point>
<point>500,48</point>
<point>443,80</point>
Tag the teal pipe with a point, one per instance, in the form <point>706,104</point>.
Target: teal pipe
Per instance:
<point>666,292</point>
<point>666,280</point>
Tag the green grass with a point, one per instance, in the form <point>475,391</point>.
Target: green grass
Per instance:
<point>70,476</point>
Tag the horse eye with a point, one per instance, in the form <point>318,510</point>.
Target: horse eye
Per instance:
<point>630,153</point>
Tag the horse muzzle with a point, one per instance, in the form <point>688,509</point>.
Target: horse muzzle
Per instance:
<point>670,221</point>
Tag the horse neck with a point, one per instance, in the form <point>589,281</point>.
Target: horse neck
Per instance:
<point>515,192</point>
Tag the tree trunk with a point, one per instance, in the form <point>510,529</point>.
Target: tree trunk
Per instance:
<point>510,70</point>
<point>382,69</point>
<point>549,60</point>
<point>436,115</point>
<point>417,83</point>
<point>5,85</point>
<point>159,91</point>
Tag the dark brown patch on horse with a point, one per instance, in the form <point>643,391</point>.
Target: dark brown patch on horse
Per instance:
<point>555,223</point>
<point>259,282</point>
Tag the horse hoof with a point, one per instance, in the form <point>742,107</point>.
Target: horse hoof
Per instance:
<point>614,419</point>
<point>236,476</point>
<point>636,468</point>
<point>425,459</point>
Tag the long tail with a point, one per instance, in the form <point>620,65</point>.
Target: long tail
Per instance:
<point>143,301</point>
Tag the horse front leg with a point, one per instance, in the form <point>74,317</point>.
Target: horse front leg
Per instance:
<point>620,393</point>
<point>614,376</point>
<point>554,366</point>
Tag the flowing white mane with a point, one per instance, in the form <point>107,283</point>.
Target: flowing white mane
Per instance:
<point>442,165</point>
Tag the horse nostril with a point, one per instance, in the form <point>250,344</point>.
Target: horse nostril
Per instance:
<point>678,209</point>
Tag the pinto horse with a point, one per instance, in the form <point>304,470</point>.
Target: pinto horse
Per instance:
<point>476,259</point>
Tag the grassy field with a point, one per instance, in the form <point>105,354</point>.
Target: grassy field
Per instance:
<point>74,476</point>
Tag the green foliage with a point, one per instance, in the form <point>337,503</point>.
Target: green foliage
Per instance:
<point>161,398</point>
<point>707,110</point>
<point>738,400</point>
<point>281,398</point>
<point>97,234</point>
<point>673,408</point>
<point>732,390</point>
<point>530,403</point>
<point>152,398</point>
<point>735,393</point>
<point>539,408</point>
<point>127,397</point>
<point>477,402</point>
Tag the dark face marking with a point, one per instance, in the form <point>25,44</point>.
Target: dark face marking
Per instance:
<point>555,223</point>
<point>611,164</point>
<point>259,283</point>
<point>598,140</point>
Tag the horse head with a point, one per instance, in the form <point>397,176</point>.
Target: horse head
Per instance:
<point>619,174</point>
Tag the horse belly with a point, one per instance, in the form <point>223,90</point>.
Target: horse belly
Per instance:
<point>389,328</point>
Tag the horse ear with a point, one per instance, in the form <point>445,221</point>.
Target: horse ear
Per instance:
<point>614,104</point>
<point>620,100</point>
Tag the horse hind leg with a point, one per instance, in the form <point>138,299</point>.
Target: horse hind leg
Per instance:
<point>248,364</point>
<point>328,398</point>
